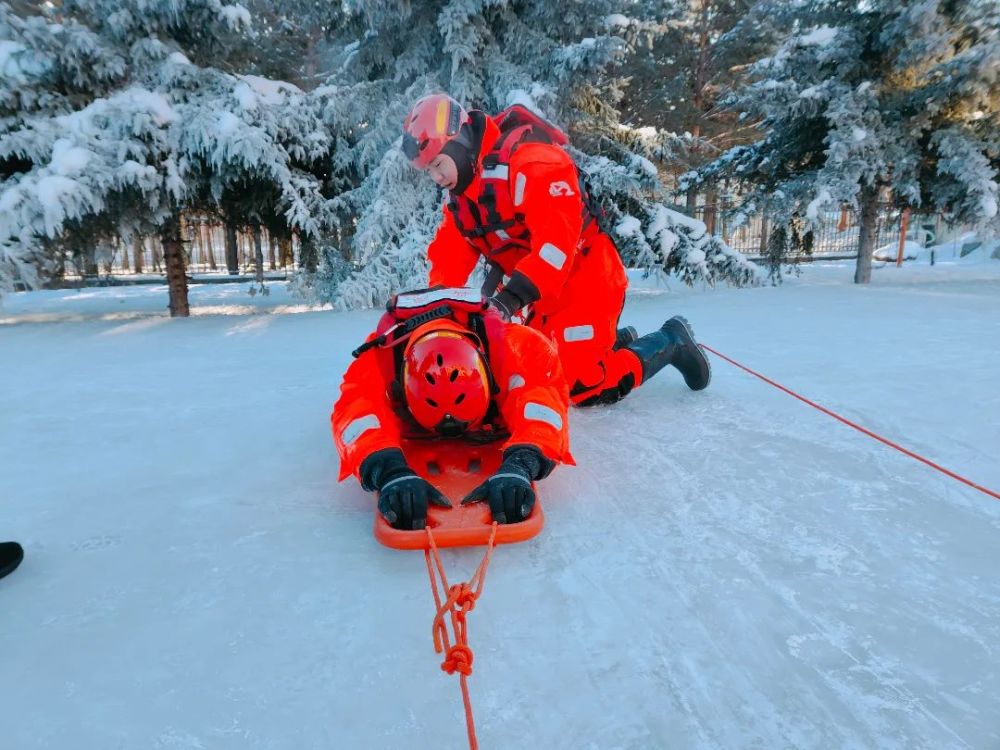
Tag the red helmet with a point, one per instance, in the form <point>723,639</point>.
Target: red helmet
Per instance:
<point>445,378</point>
<point>431,123</point>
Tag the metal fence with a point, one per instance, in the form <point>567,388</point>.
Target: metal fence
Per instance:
<point>836,234</point>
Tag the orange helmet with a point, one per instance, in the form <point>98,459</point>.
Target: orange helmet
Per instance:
<point>432,122</point>
<point>445,378</point>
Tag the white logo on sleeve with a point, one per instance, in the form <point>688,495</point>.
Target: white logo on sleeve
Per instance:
<point>560,187</point>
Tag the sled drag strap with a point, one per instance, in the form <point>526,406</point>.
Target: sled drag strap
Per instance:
<point>456,601</point>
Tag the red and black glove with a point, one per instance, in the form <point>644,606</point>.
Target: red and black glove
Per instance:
<point>509,491</point>
<point>403,496</point>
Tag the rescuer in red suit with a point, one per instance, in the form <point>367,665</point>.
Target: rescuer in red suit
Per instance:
<point>467,374</point>
<point>517,199</point>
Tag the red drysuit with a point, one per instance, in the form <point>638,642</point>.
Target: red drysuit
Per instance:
<point>525,210</point>
<point>529,407</point>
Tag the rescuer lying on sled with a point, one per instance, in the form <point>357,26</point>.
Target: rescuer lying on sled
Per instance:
<point>516,198</point>
<point>444,364</point>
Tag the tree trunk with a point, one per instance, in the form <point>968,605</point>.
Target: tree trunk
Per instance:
<point>692,202</point>
<point>286,254</point>
<point>90,268</point>
<point>258,255</point>
<point>173,255</point>
<point>59,269</point>
<point>232,252</point>
<point>137,252</point>
<point>866,234</point>
<point>154,249</point>
<point>272,253</point>
<point>695,130</point>
<point>723,212</point>
<point>208,244</point>
<point>121,247</point>
<point>192,250</point>
<point>764,232</point>
<point>711,197</point>
<point>308,253</point>
<point>244,250</point>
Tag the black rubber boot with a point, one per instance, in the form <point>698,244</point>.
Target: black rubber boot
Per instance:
<point>625,336</point>
<point>11,555</point>
<point>673,344</point>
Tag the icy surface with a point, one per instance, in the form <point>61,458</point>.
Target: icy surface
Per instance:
<point>725,569</point>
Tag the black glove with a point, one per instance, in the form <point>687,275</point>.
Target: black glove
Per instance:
<point>509,491</point>
<point>518,292</point>
<point>500,306</point>
<point>402,495</point>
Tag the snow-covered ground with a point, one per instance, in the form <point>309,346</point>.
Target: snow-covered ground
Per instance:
<point>725,569</point>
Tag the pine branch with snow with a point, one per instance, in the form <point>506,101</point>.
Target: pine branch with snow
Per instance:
<point>557,59</point>
<point>861,98</point>
<point>147,132</point>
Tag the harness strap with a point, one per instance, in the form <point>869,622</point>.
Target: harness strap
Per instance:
<point>497,163</point>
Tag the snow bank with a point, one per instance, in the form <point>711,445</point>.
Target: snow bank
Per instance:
<point>967,249</point>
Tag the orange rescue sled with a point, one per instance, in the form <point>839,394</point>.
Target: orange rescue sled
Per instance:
<point>455,468</point>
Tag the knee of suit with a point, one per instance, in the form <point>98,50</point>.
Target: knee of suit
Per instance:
<point>617,372</point>
<point>606,395</point>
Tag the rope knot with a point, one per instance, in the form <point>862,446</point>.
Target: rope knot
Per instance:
<point>463,596</point>
<point>460,600</point>
<point>459,659</point>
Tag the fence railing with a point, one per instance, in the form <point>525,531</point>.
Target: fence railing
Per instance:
<point>836,234</point>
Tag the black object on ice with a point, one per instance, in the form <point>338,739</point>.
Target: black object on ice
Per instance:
<point>11,554</point>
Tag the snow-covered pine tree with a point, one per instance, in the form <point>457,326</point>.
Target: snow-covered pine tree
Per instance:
<point>556,58</point>
<point>122,137</point>
<point>861,97</point>
<point>287,41</point>
<point>44,69</point>
<point>676,82</point>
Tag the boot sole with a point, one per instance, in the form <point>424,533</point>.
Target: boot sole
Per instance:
<point>688,333</point>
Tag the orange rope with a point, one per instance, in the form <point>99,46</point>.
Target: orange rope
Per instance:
<point>461,599</point>
<point>859,428</point>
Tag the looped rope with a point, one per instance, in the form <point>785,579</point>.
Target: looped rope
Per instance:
<point>460,601</point>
